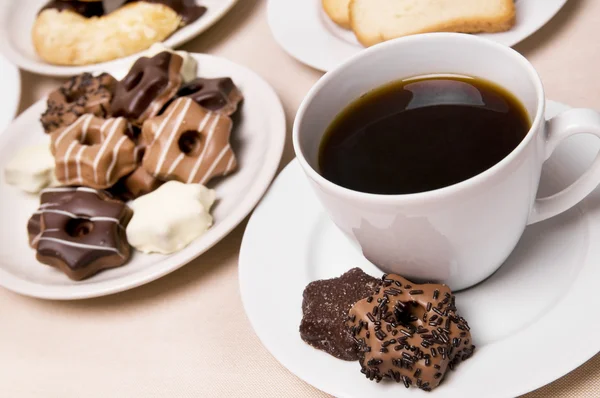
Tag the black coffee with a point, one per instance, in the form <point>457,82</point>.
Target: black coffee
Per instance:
<point>422,134</point>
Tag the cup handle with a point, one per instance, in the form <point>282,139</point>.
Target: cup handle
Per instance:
<point>568,123</point>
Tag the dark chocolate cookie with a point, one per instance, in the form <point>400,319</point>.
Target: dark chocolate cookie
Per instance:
<point>325,309</point>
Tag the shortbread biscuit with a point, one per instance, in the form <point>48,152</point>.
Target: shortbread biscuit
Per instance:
<point>337,10</point>
<point>375,21</point>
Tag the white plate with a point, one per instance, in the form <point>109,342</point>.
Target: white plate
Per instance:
<point>304,30</point>
<point>11,92</point>
<point>258,138</point>
<point>533,321</point>
<point>17,18</point>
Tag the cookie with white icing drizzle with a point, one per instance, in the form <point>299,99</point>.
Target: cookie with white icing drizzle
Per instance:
<point>81,231</point>
<point>93,152</point>
<point>188,144</point>
<point>147,87</point>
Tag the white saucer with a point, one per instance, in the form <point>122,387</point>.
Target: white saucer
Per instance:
<point>304,30</point>
<point>257,139</point>
<point>17,18</point>
<point>533,321</point>
<point>11,92</point>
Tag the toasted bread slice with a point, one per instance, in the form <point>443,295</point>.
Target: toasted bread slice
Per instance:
<point>374,21</point>
<point>337,10</point>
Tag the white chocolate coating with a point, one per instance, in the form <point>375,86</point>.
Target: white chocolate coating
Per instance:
<point>170,218</point>
<point>189,67</point>
<point>31,169</point>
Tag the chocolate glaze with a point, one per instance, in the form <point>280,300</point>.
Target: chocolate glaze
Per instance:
<point>187,9</point>
<point>409,333</point>
<point>86,9</point>
<point>217,95</point>
<point>188,144</point>
<point>149,85</point>
<point>84,233</point>
<point>93,152</point>
<point>136,184</point>
<point>49,199</point>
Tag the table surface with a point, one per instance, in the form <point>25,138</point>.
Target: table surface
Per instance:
<point>160,340</point>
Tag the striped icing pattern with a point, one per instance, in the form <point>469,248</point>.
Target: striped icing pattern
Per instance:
<point>93,151</point>
<point>164,157</point>
<point>73,252</point>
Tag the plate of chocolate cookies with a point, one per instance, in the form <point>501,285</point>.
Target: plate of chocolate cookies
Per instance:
<point>69,37</point>
<point>116,179</point>
<point>339,323</point>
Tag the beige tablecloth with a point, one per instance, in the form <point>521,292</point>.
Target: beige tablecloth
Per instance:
<point>186,334</point>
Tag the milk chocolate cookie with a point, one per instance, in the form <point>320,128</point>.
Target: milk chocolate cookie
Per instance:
<point>188,144</point>
<point>409,333</point>
<point>83,232</point>
<point>325,308</point>
<point>149,85</point>
<point>93,152</point>
<point>79,95</point>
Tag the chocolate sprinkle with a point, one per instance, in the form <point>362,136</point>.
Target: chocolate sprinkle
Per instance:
<point>423,331</point>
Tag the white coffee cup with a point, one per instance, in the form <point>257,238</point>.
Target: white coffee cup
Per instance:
<point>460,234</point>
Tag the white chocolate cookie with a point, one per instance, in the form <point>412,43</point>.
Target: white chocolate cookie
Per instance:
<point>188,69</point>
<point>168,219</point>
<point>31,169</point>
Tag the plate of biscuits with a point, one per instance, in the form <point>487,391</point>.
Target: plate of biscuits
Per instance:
<point>325,33</point>
<point>69,37</point>
<point>116,179</point>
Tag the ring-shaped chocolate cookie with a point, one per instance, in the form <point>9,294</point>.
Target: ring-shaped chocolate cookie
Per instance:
<point>188,144</point>
<point>93,152</point>
<point>409,333</point>
<point>147,87</point>
<point>81,231</point>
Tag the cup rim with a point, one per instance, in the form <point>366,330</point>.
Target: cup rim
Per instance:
<point>436,193</point>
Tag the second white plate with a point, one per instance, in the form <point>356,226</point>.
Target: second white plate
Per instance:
<point>532,321</point>
<point>258,138</point>
<point>17,18</point>
<point>304,30</point>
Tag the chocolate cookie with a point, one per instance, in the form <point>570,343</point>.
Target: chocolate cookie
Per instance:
<point>217,95</point>
<point>409,333</point>
<point>147,87</point>
<point>82,232</point>
<point>188,144</point>
<point>93,152</point>
<point>325,308</point>
<point>79,95</point>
